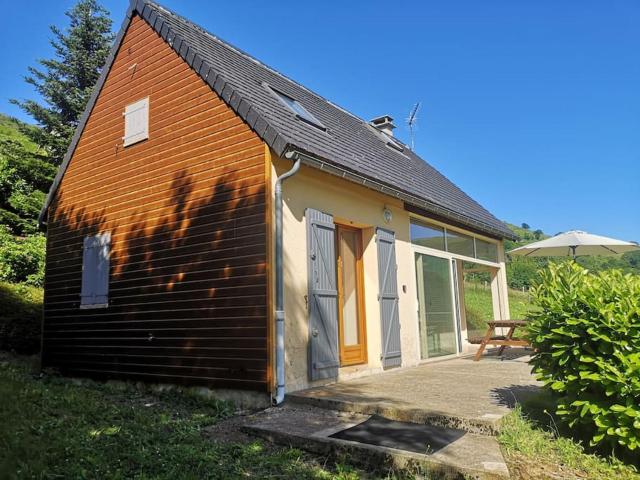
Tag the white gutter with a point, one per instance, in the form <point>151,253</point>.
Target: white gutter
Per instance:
<point>280,379</point>
<point>394,192</point>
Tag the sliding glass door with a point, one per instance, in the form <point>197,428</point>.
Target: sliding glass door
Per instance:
<point>460,286</point>
<point>436,306</point>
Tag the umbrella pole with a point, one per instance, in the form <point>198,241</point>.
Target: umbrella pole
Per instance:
<point>573,249</point>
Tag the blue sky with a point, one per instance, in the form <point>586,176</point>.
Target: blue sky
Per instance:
<point>531,107</point>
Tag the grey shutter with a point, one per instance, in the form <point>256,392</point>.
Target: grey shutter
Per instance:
<point>88,261</point>
<point>388,297</point>
<point>95,270</point>
<point>323,296</point>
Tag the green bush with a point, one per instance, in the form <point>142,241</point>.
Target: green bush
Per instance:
<point>25,176</point>
<point>586,333</point>
<point>20,318</point>
<point>12,222</point>
<point>521,272</point>
<point>22,258</point>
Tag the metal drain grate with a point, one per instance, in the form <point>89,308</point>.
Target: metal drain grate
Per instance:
<point>411,437</point>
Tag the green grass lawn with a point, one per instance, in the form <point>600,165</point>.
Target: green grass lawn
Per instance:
<point>535,447</point>
<point>54,428</point>
<point>479,307</point>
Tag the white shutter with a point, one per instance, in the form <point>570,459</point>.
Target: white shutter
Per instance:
<point>136,122</point>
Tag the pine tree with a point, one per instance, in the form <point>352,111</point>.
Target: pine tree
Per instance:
<point>66,81</point>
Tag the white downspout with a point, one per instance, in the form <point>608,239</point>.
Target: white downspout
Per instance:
<point>280,379</point>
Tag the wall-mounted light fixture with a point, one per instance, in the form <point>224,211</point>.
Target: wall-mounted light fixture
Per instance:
<point>387,215</point>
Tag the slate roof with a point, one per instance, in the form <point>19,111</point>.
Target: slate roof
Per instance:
<point>349,146</point>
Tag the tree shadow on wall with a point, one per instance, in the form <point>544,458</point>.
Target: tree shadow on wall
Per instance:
<point>187,290</point>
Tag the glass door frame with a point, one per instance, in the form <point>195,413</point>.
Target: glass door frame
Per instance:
<point>446,256</point>
<point>351,354</point>
<point>455,293</point>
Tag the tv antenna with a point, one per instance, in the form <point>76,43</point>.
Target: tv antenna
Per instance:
<point>412,121</point>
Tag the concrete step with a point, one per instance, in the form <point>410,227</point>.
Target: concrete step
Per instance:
<point>464,455</point>
<point>486,424</point>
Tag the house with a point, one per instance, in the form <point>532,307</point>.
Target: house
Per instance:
<point>169,260</point>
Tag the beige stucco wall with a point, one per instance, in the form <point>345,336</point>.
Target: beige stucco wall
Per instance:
<point>361,207</point>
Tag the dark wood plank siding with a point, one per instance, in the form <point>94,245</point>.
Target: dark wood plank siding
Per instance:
<point>187,212</point>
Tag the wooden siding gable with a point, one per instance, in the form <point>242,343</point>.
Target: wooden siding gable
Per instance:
<point>186,212</point>
<point>216,82</point>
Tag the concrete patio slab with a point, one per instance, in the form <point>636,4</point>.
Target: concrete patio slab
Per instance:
<point>458,393</point>
<point>309,428</point>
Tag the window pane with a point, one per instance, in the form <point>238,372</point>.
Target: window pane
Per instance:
<point>348,254</point>
<point>425,235</point>
<point>486,250</point>
<point>460,244</point>
<point>477,296</point>
<point>436,316</point>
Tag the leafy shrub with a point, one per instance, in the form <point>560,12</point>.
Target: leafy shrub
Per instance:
<point>20,318</point>
<point>22,259</point>
<point>24,178</point>
<point>521,272</point>
<point>13,222</point>
<point>587,339</point>
<point>27,203</point>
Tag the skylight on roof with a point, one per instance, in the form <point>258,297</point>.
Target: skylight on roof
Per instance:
<point>395,144</point>
<point>295,106</point>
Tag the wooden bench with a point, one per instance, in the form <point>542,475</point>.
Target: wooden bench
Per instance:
<point>503,341</point>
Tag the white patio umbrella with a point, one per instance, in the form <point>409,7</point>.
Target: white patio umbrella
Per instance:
<point>575,243</point>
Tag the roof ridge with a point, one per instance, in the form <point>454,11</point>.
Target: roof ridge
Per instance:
<point>250,57</point>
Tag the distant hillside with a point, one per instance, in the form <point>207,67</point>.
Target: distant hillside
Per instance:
<point>521,271</point>
<point>526,235</point>
<point>13,129</point>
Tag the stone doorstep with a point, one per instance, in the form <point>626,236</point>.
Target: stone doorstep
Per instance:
<point>488,424</point>
<point>472,456</point>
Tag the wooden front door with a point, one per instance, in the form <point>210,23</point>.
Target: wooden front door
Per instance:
<point>351,319</point>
